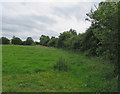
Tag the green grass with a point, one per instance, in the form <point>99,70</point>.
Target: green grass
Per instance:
<point>30,69</point>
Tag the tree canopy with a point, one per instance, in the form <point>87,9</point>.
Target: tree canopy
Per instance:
<point>4,40</point>
<point>29,41</point>
<point>16,41</point>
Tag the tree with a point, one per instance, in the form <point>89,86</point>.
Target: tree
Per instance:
<point>16,41</point>
<point>105,21</point>
<point>44,40</point>
<point>53,42</point>
<point>24,43</point>
<point>73,32</point>
<point>29,41</point>
<point>89,42</point>
<point>37,43</point>
<point>63,37</point>
<point>4,40</point>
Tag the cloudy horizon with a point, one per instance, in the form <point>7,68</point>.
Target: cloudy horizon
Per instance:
<point>30,19</point>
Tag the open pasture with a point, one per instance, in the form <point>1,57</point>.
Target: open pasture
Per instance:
<point>30,69</point>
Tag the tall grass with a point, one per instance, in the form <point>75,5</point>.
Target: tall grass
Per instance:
<point>61,64</point>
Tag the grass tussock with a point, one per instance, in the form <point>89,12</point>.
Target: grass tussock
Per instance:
<point>61,64</point>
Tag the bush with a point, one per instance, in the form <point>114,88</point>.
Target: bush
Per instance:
<point>24,43</point>
<point>61,64</point>
<point>37,43</point>
<point>16,41</point>
<point>44,40</point>
<point>29,41</point>
<point>4,40</point>
<point>52,42</point>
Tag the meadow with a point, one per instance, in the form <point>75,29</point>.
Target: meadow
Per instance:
<point>30,69</point>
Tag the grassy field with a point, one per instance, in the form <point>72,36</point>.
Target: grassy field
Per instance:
<point>30,68</point>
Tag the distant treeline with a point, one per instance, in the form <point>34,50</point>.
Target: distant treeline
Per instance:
<point>18,41</point>
<point>100,39</point>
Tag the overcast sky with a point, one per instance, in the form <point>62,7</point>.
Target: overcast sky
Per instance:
<point>33,19</point>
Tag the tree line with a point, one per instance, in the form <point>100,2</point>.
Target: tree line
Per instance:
<point>100,39</point>
<point>17,41</point>
<point>85,42</point>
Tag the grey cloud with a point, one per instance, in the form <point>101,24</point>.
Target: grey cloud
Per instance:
<point>23,3</point>
<point>44,19</point>
<point>29,24</point>
<point>78,11</point>
<point>28,20</point>
<point>26,23</point>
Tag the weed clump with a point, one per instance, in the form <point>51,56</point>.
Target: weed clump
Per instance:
<point>61,64</point>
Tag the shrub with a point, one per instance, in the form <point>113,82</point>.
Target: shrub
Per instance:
<point>29,41</point>
<point>4,40</point>
<point>52,42</point>
<point>16,41</point>
<point>44,40</point>
<point>24,43</point>
<point>61,64</point>
<point>37,43</point>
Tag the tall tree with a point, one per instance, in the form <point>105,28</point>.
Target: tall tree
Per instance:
<point>44,40</point>
<point>105,21</point>
<point>63,37</point>
<point>29,41</point>
<point>53,42</point>
<point>16,41</point>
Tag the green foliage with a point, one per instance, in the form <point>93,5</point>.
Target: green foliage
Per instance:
<point>16,41</point>
<point>63,37</point>
<point>73,32</point>
<point>61,64</point>
<point>44,40</point>
<point>4,40</point>
<point>73,42</point>
<point>29,41</point>
<point>105,27</point>
<point>24,43</point>
<point>53,42</point>
<point>37,43</point>
<point>89,42</point>
<point>105,23</point>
